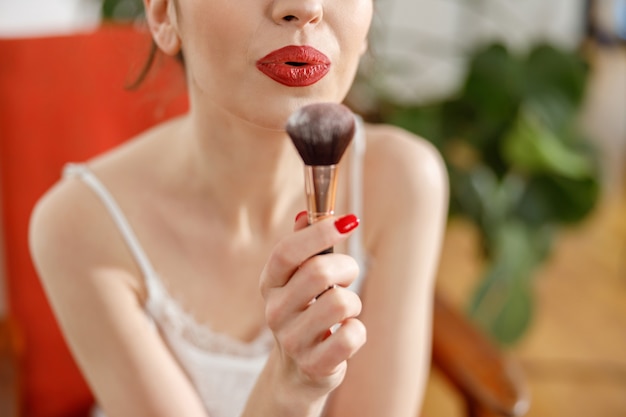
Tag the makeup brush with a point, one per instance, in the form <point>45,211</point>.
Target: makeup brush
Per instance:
<point>321,132</point>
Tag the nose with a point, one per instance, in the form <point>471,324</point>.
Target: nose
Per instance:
<point>297,12</point>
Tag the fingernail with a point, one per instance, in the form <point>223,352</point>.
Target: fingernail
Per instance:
<point>299,215</point>
<point>327,334</point>
<point>346,223</point>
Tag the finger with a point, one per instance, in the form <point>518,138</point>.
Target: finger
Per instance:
<point>314,277</point>
<point>302,221</point>
<point>293,250</point>
<point>334,307</point>
<point>331,354</point>
<point>311,327</point>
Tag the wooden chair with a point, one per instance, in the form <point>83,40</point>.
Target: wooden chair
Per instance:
<point>61,100</point>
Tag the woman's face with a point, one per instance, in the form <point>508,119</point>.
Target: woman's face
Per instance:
<point>259,60</point>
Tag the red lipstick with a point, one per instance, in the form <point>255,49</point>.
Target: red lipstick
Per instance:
<point>295,66</point>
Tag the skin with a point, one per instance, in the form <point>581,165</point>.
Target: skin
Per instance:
<point>231,248</point>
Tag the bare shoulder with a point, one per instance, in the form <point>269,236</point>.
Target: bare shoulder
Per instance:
<point>405,186</point>
<point>403,166</point>
<point>71,234</point>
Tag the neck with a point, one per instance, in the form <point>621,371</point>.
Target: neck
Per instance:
<point>251,176</point>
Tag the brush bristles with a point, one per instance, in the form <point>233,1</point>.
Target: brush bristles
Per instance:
<point>321,132</point>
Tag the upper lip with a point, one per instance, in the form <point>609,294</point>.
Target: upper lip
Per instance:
<point>295,55</point>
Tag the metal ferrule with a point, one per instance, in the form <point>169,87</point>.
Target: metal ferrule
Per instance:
<point>321,189</point>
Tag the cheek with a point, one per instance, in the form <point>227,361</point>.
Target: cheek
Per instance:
<point>355,35</point>
<point>354,28</point>
<point>216,50</point>
<point>360,16</point>
<point>213,27</point>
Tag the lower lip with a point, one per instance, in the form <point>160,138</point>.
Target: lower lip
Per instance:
<point>294,76</point>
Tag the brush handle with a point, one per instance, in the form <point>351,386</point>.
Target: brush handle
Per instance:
<point>327,251</point>
<point>321,189</point>
<point>320,185</point>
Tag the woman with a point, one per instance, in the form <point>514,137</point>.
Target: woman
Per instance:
<point>153,254</point>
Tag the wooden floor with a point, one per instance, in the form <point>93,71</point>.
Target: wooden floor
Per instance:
<point>574,355</point>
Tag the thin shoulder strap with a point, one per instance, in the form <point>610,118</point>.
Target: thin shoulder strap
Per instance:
<point>85,174</point>
<point>355,243</point>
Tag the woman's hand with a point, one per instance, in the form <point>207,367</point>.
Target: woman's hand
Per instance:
<point>308,306</point>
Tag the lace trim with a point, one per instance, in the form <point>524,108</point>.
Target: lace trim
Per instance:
<point>169,314</point>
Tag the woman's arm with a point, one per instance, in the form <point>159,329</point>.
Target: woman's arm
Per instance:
<point>406,196</point>
<point>96,292</point>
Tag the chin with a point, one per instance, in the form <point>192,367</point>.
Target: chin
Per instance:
<point>273,113</point>
<point>266,104</point>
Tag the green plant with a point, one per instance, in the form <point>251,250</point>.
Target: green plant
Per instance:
<point>519,167</point>
<point>122,10</point>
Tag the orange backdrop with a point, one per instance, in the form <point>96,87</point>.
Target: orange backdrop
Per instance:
<point>63,99</point>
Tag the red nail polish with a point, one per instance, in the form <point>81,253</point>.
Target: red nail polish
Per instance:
<point>328,334</point>
<point>346,223</point>
<point>299,215</point>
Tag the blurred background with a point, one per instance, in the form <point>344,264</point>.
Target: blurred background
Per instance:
<point>526,100</point>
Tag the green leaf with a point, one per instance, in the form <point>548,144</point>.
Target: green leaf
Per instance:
<point>472,190</point>
<point>532,148</point>
<point>122,10</point>
<point>494,82</point>
<point>515,317</point>
<point>557,200</point>
<point>552,71</point>
<point>489,98</point>
<point>502,302</point>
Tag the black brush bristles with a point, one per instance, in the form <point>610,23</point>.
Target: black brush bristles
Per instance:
<point>321,132</point>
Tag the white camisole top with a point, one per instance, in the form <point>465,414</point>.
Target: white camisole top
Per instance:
<point>222,369</point>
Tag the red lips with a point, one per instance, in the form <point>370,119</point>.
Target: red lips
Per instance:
<point>295,66</point>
